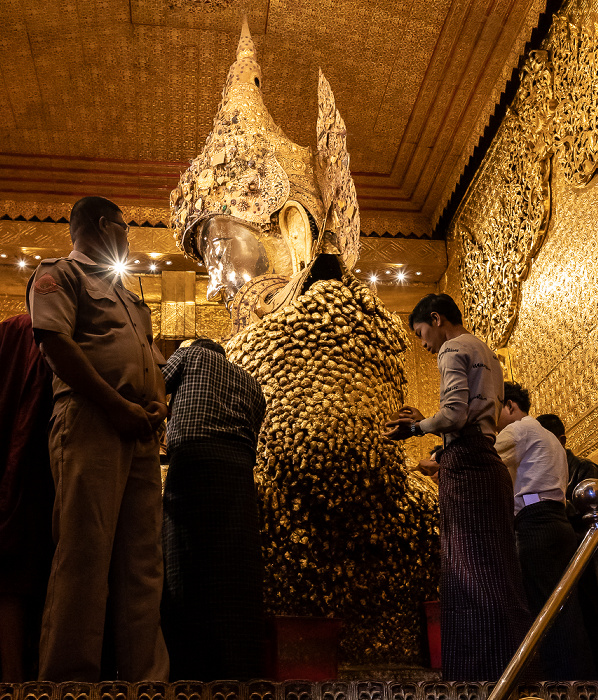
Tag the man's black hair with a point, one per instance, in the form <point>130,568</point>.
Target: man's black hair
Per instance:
<point>209,344</point>
<point>552,422</point>
<point>87,212</point>
<point>442,304</point>
<point>516,393</point>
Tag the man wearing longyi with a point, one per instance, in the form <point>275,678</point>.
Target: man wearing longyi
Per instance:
<point>484,615</point>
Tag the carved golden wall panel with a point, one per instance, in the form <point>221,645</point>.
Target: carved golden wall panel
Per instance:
<point>178,305</point>
<point>503,222</point>
<point>211,318</point>
<point>156,311</point>
<point>503,219</point>
<point>574,48</point>
<point>178,319</point>
<point>498,231</point>
<point>555,341</point>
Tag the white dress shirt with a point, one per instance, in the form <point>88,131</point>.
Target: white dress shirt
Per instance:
<point>536,461</point>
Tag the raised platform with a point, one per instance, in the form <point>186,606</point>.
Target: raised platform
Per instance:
<point>289,690</point>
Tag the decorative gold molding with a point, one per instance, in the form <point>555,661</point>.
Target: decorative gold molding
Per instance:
<point>62,210</point>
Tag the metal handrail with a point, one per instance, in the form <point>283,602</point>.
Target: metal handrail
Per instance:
<point>585,497</point>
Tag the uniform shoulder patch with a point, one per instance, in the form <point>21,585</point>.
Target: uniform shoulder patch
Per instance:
<point>46,284</point>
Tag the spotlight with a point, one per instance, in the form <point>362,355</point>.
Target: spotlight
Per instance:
<point>135,262</point>
<point>22,264</point>
<point>400,276</point>
<point>153,267</point>
<point>358,269</point>
<point>418,273</point>
<point>169,262</point>
<point>2,255</point>
<point>119,267</point>
<point>373,278</point>
<point>388,272</point>
<point>37,257</point>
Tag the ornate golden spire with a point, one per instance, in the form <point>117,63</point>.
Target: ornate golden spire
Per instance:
<point>245,69</point>
<point>250,170</point>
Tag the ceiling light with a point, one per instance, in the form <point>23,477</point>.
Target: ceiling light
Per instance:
<point>22,264</point>
<point>38,257</point>
<point>135,262</point>
<point>119,267</point>
<point>153,267</point>
<point>246,276</point>
<point>373,278</point>
<point>154,255</point>
<point>400,276</point>
<point>358,269</point>
<point>2,255</point>
<point>388,272</point>
<point>169,262</point>
<point>418,273</point>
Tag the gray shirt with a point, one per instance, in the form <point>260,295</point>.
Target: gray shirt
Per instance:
<point>471,388</point>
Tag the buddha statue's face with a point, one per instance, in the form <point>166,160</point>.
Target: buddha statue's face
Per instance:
<point>232,254</point>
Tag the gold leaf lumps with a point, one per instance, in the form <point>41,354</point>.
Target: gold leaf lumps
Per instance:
<point>346,531</point>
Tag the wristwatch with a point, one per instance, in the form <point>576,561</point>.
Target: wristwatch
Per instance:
<point>416,431</point>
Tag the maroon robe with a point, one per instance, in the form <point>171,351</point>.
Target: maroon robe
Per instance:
<point>26,488</point>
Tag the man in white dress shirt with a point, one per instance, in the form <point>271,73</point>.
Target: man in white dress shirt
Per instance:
<point>546,540</point>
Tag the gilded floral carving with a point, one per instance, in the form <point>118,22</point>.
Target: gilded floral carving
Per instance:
<point>574,48</point>
<point>503,220</point>
<point>502,224</point>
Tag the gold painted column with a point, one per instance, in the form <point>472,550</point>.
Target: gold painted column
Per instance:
<point>178,305</point>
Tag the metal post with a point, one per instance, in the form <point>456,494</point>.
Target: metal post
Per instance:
<point>585,497</point>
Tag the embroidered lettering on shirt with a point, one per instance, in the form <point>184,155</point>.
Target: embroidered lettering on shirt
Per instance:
<point>477,396</point>
<point>451,388</point>
<point>479,364</point>
<point>46,284</point>
<point>448,350</point>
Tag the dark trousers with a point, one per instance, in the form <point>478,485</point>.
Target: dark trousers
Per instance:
<point>106,522</point>
<point>212,608</point>
<point>546,542</point>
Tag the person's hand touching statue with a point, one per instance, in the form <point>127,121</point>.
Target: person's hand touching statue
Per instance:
<point>400,425</point>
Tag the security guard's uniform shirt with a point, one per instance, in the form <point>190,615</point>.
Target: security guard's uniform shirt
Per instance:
<point>111,325</point>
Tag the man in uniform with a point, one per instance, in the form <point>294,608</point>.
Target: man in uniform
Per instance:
<point>108,402</point>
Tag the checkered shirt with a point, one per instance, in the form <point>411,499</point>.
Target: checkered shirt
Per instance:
<point>211,398</point>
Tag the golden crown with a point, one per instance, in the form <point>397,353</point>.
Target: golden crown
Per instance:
<point>249,168</point>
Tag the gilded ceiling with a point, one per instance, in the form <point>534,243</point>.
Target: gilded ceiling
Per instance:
<point>115,97</point>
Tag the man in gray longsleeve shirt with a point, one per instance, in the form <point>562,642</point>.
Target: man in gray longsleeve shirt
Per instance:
<point>484,615</point>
